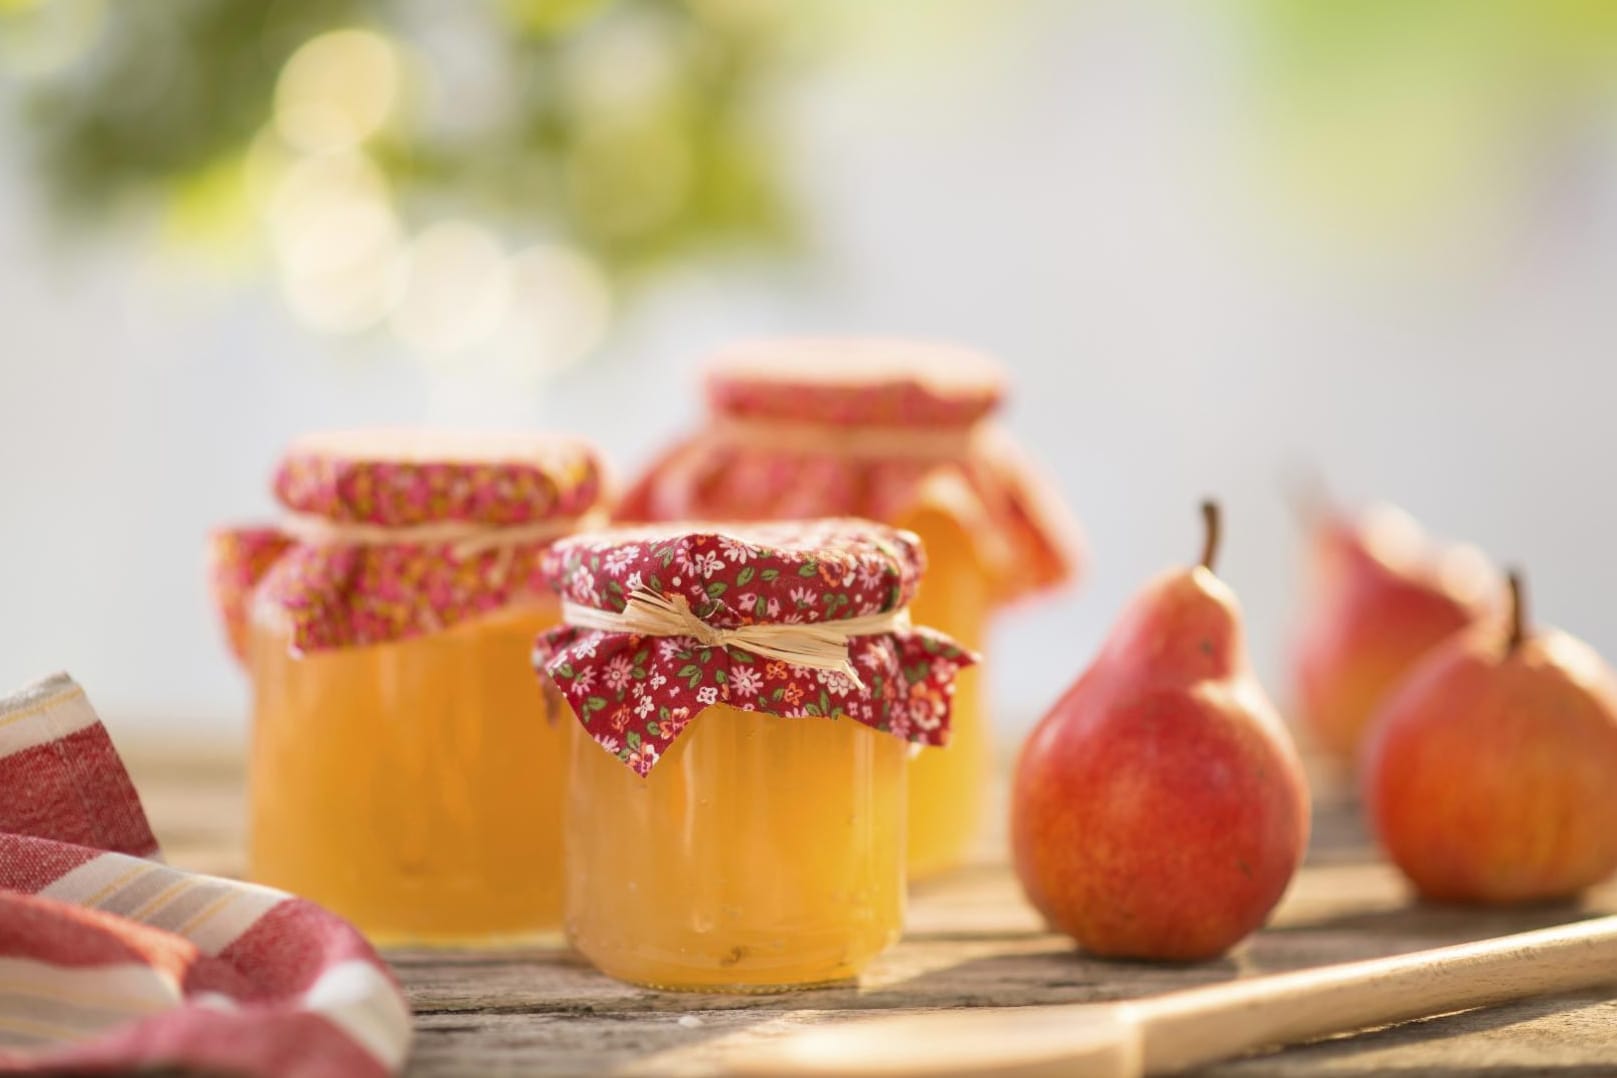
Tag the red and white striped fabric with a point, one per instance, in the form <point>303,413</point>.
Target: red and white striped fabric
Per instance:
<point>111,961</point>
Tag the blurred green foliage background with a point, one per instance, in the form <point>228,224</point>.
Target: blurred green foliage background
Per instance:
<point>629,128</point>
<point>625,135</point>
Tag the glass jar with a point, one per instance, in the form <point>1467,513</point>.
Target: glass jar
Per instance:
<point>404,769</point>
<point>899,432</point>
<point>414,788</point>
<point>949,790</point>
<point>735,821</point>
<point>715,871</point>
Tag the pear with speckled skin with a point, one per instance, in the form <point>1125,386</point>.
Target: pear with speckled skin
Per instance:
<point>1491,773</point>
<point>1383,595</point>
<point>1159,809</point>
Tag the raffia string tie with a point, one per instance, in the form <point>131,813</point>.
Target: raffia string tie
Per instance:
<point>463,537</point>
<point>879,443</point>
<point>820,645</point>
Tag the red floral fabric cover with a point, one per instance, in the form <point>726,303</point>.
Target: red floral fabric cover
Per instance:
<point>634,694</point>
<point>336,593</point>
<point>1028,541</point>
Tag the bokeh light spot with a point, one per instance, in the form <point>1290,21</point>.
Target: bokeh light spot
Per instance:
<point>338,242</point>
<point>456,290</point>
<point>560,310</point>
<point>337,90</point>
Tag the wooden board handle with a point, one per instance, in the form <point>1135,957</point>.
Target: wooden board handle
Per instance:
<point>1184,1029</point>
<point>1168,1033</point>
<point>1092,1041</point>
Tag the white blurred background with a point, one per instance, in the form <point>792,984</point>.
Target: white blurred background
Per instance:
<point>1205,272</point>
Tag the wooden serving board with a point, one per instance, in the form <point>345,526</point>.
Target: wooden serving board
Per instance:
<point>971,943</point>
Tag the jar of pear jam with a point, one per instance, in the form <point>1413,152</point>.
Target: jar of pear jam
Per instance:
<point>900,432</point>
<point>735,820</point>
<point>404,770</point>
<point>715,871</point>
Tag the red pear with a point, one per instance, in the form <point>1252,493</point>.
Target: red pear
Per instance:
<point>1383,595</point>
<point>1159,810</point>
<point>1490,775</point>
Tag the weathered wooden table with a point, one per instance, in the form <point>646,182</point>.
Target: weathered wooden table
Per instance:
<point>971,942</point>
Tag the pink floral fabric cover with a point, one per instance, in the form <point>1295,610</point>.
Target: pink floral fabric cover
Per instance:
<point>708,476</point>
<point>238,558</point>
<point>634,694</point>
<point>345,594</point>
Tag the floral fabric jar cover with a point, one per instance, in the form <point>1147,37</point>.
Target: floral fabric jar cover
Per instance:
<point>391,535</point>
<point>403,769</point>
<point>634,693</point>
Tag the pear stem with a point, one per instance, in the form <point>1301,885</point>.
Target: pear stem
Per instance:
<point>1308,496</point>
<point>1211,520</point>
<point>1518,612</point>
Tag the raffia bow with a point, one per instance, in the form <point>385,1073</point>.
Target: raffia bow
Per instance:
<point>821,645</point>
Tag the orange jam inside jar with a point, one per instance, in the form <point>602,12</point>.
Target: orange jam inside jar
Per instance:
<point>405,770</point>
<point>949,790</point>
<point>737,792</point>
<point>899,432</point>
<point>669,854</point>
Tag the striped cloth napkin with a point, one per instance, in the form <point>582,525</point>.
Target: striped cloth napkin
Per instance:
<point>111,961</point>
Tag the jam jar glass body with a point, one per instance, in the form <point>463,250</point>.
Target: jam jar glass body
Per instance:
<point>761,853</point>
<point>405,771</point>
<point>746,700</point>
<point>415,788</point>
